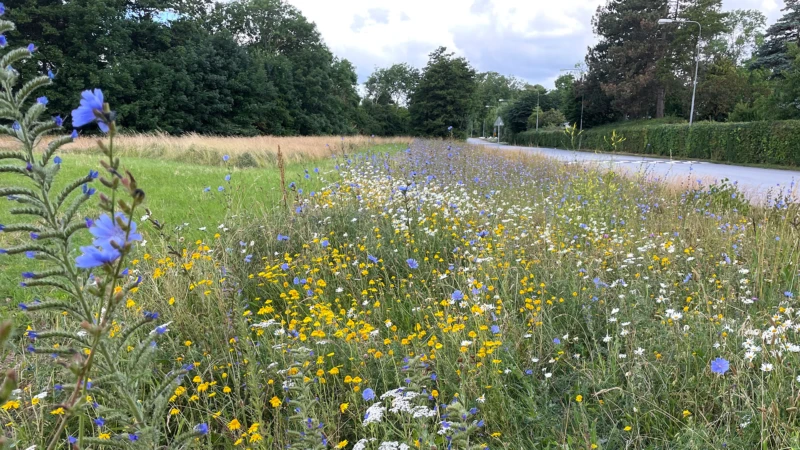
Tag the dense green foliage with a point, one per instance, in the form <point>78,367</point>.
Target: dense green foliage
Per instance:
<point>245,67</point>
<point>746,143</point>
<point>442,98</point>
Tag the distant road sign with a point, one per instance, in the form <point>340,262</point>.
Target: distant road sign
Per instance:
<point>499,122</point>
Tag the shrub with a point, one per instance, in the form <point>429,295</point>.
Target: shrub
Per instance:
<point>744,143</point>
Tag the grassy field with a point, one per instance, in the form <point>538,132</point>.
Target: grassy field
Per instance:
<point>453,297</point>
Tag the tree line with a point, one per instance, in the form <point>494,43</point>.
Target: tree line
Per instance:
<point>248,67</point>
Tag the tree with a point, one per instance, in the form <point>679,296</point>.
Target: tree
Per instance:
<point>516,117</point>
<point>394,84</point>
<point>549,118</point>
<point>774,54</point>
<point>636,60</point>
<point>744,31</point>
<point>443,97</point>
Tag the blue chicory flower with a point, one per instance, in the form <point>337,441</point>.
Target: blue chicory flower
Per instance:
<point>368,394</point>
<point>90,110</point>
<point>720,366</point>
<point>412,263</point>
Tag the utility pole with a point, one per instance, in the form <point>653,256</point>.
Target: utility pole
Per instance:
<point>537,109</point>
<point>696,58</point>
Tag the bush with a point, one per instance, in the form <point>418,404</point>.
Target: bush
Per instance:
<point>744,143</point>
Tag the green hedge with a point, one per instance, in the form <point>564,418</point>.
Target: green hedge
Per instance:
<point>776,142</point>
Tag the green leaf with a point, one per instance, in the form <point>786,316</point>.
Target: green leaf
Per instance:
<point>29,88</point>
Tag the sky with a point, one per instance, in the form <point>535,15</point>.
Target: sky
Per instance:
<point>530,39</point>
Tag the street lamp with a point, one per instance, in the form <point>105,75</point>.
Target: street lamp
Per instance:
<point>696,58</point>
<point>483,134</point>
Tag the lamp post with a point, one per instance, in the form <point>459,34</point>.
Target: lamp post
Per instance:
<point>500,100</point>
<point>537,109</point>
<point>483,134</point>
<point>696,58</point>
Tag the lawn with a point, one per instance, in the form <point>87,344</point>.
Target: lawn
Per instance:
<point>447,296</point>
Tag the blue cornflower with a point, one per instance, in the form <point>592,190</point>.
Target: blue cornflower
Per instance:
<point>720,366</point>
<point>133,437</point>
<point>225,158</point>
<point>90,110</point>
<point>228,177</point>
<point>34,236</point>
<point>93,174</point>
<point>324,243</point>
<point>30,254</point>
<point>412,263</point>
<point>248,258</point>
<point>74,134</point>
<point>220,189</point>
<point>282,237</point>
<point>57,160</point>
<point>50,74</point>
<point>556,341</point>
<point>87,190</point>
<point>99,421</point>
<point>368,394</point>
<point>42,100</point>
<point>72,439</point>
<point>788,294</point>
<point>450,128</point>
<point>201,428</point>
<point>2,9</point>
<point>373,259</point>
<point>457,296</point>
<point>15,126</point>
<point>207,189</point>
<point>150,315</point>
<point>27,275</point>
<point>161,329</point>
<point>58,120</point>
<point>495,329</point>
<point>31,47</point>
<point>3,41</point>
<point>284,266</point>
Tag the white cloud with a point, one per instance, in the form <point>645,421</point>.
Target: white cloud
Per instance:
<point>531,39</point>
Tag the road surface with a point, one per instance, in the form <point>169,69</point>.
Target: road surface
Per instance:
<point>754,181</point>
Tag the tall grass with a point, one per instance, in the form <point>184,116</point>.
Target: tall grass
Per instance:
<point>486,299</point>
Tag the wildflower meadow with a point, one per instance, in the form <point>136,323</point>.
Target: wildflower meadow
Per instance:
<point>423,296</point>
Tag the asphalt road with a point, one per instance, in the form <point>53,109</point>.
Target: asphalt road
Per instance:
<point>755,182</point>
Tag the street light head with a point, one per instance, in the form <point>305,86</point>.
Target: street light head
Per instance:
<point>665,21</point>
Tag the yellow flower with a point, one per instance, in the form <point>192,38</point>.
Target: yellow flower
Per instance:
<point>255,437</point>
<point>57,412</point>
<point>594,445</point>
<point>35,401</point>
<point>104,436</point>
<point>435,393</point>
<point>253,428</point>
<point>226,390</point>
<point>627,428</point>
<point>343,407</point>
<point>342,444</point>
<point>496,434</point>
<point>188,343</point>
<point>234,425</point>
<point>686,413</point>
<point>174,411</point>
<point>275,401</point>
<point>579,398</point>
<point>11,404</point>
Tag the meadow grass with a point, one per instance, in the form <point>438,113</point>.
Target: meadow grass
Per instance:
<point>454,297</point>
<point>244,152</point>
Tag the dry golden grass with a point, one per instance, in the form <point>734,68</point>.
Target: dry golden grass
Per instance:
<point>259,151</point>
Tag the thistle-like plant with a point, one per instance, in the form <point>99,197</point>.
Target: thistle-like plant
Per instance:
<point>307,430</point>
<point>111,395</point>
<point>8,380</point>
